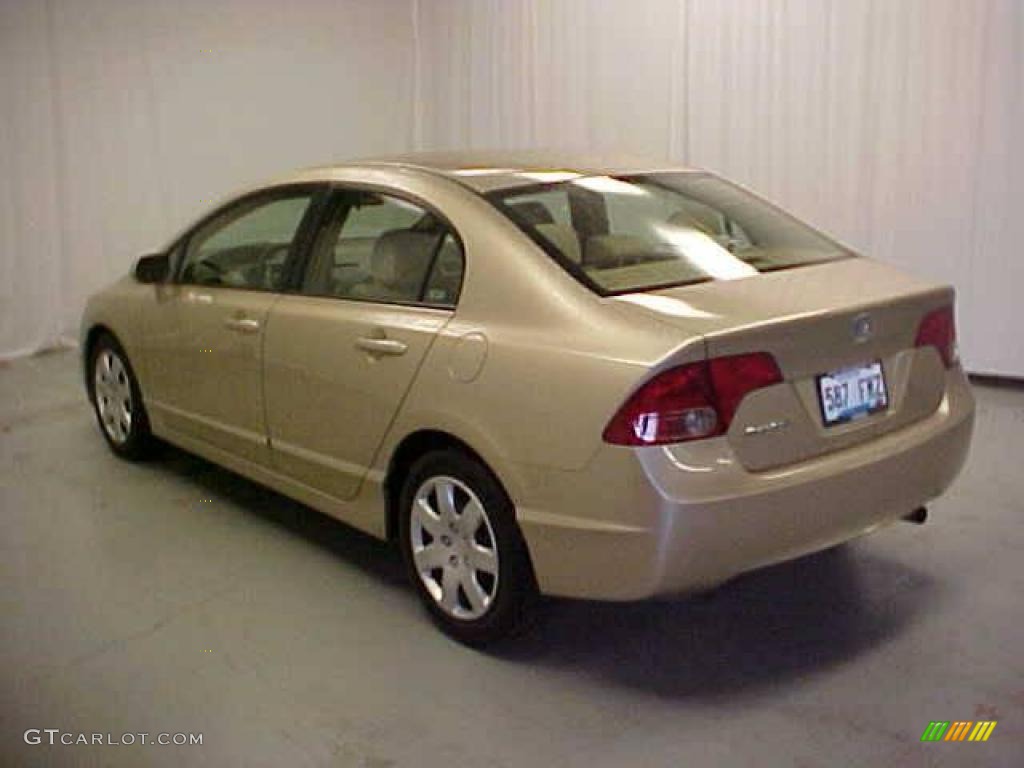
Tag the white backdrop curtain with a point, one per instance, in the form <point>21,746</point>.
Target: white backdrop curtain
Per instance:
<point>121,119</point>
<point>894,124</point>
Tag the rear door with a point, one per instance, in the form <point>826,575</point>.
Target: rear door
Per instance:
<point>343,348</point>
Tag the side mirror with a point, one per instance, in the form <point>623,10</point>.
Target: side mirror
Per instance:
<point>152,268</point>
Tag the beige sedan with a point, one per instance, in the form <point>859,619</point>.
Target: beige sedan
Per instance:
<point>540,375</point>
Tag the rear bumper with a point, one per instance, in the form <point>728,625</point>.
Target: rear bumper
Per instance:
<point>638,523</point>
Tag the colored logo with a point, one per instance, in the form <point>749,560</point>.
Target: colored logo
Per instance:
<point>958,730</point>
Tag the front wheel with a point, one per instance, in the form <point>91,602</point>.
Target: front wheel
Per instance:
<point>117,400</point>
<point>463,549</point>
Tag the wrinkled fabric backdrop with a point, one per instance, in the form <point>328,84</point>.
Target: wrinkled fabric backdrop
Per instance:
<point>895,126</point>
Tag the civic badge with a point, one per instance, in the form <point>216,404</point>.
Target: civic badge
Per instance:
<point>763,429</point>
<point>863,328</point>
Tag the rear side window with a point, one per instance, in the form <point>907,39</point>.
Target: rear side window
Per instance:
<point>381,248</point>
<point>445,277</point>
<point>637,233</point>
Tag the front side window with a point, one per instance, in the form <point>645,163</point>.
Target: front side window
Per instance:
<point>376,247</point>
<point>635,233</point>
<point>247,245</point>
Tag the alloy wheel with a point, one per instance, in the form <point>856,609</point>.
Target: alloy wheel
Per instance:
<point>113,392</point>
<point>454,548</point>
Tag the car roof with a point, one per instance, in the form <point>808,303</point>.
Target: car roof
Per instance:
<point>485,171</point>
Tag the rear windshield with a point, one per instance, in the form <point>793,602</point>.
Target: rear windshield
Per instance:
<point>625,234</point>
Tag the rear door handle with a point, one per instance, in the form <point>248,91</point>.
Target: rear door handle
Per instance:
<point>199,298</point>
<point>242,324</point>
<point>379,346</point>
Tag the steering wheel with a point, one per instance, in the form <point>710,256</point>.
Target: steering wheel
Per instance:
<point>211,266</point>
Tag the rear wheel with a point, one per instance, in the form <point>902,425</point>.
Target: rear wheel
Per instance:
<point>463,549</point>
<point>117,401</point>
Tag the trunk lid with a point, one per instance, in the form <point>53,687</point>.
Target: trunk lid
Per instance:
<point>814,320</point>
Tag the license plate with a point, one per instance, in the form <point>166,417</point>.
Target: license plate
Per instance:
<point>852,393</point>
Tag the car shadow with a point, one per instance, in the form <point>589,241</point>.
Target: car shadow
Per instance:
<point>375,557</point>
<point>770,626</point>
<point>774,625</point>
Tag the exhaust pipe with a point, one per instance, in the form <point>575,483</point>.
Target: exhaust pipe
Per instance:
<point>917,517</point>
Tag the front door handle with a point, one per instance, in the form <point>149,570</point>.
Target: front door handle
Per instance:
<point>242,324</point>
<point>379,346</point>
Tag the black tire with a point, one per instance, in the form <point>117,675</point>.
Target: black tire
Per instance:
<point>513,602</point>
<point>138,441</point>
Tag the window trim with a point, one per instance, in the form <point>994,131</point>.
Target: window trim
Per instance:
<point>317,192</point>
<point>334,197</point>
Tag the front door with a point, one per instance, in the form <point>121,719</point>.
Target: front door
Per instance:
<point>205,337</point>
<point>382,280</point>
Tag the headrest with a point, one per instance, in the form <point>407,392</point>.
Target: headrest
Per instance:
<point>606,251</point>
<point>401,256</point>
<point>564,238</point>
<point>533,212</point>
<point>704,220</point>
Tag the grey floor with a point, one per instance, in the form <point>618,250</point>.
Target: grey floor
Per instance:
<point>176,597</point>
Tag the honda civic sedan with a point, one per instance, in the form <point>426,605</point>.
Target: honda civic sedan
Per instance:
<point>539,375</point>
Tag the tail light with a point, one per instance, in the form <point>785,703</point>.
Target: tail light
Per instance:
<point>938,329</point>
<point>690,402</point>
